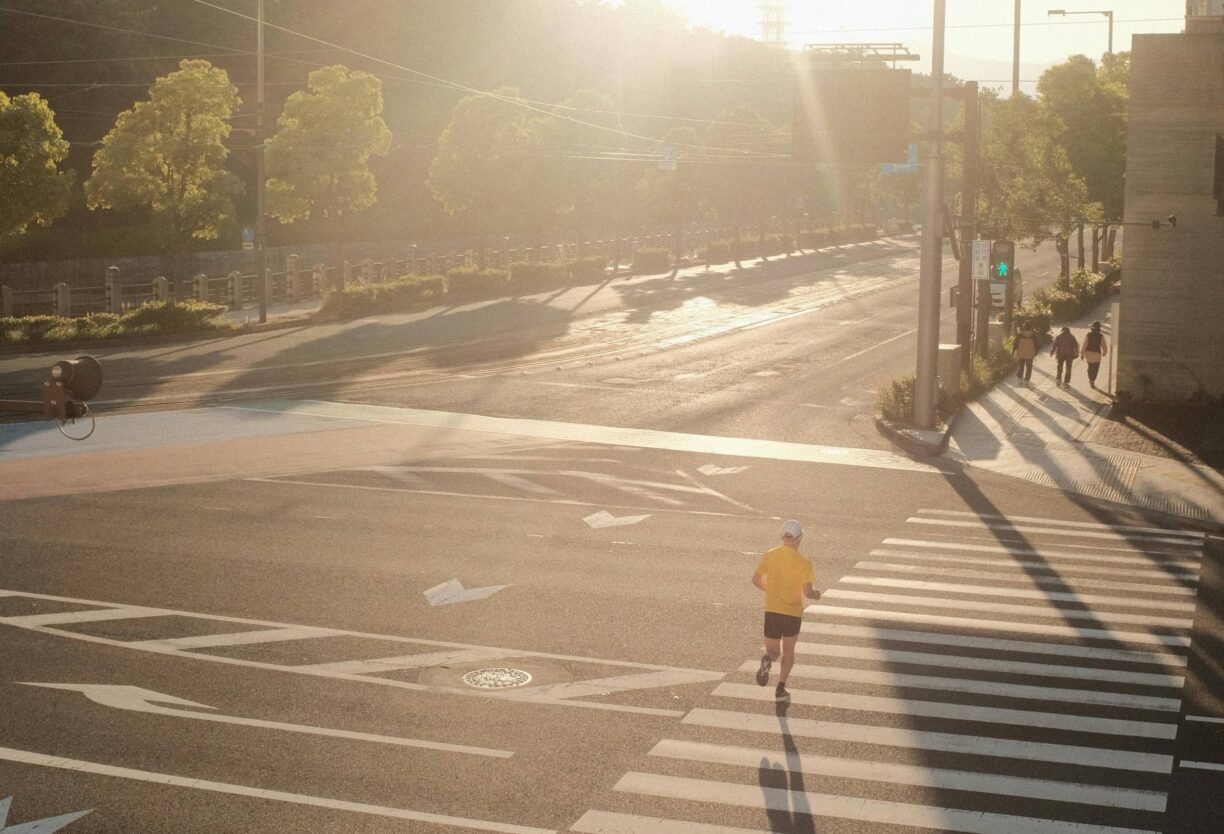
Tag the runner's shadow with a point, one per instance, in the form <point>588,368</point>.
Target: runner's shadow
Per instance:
<point>782,786</point>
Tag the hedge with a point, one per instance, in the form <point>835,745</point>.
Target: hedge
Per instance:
<point>1077,298</point>
<point>478,282</point>
<point>529,276</point>
<point>651,261</point>
<point>157,317</point>
<point>895,401</point>
<point>403,293</point>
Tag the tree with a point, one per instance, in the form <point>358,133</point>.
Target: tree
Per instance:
<point>740,190</point>
<point>31,147</point>
<point>319,159</point>
<point>673,198</point>
<point>168,154</point>
<point>571,141</point>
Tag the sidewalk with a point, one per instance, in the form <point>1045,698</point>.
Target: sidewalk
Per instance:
<point>280,310</point>
<point>1044,434</point>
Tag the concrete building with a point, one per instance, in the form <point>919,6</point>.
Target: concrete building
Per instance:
<point>1170,325</point>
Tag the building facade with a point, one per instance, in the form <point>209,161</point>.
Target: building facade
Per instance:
<point>1170,322</point>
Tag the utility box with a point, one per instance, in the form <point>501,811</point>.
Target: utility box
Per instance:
<point>948,366</point>
<point>996,334</point>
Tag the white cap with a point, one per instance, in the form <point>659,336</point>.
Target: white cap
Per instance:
<point>791,529</point>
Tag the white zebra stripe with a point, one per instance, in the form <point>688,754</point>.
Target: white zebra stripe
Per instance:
<point>1017,528</point>
<point>1017,593</point>
<point>1154,559</point>
<point>1015,572</point>
<point>1198,537</point>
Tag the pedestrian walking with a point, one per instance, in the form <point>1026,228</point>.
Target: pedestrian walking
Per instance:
<point>786,577</point>
<point>1064,349</point>
<point>1024,347</point>
<point>1095,348</point>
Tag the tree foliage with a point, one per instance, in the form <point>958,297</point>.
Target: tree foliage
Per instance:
<point>31,148</point>
<point>673,198</point>
<point>319,159</point>
<point>168,154</point>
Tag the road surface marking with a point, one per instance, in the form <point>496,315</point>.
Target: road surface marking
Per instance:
<point>954,712</point>
<point>402,475</point>
<point>192,783</point>
<point>938,638</point>
<point>986,664</point>
<point>622,683</point>
<point>868,350</point>
<point>981,687</point>
<point>775,726</point>
<point>517,482</point>
<point>71,617</point>
<point>1151,558</point>
<point>902,774</point>
<point>712,470</point>
<point>606,435</point>
<point>606,822</point>
<point>1016,593</point>
<point>1205,718</point>
<point>452,591</point>
<point>603,518</point>
<point>1198,537</point>
<point>1165,574</point>
<point>237,638</point>
<point>1003,608</point>
<point>1054,530</point>
<point>850,807</point>
<point>43,826</point>
<point>135,699</point>
<point>1018,573</point>
<point>413,661</point>
<point>1175,640</point>
<point>1202,765</point>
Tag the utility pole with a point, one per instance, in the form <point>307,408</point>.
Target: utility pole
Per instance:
<point>931,271</point>
<point>968,226</point>
<point>261,255</point>
<point>1016,52</point>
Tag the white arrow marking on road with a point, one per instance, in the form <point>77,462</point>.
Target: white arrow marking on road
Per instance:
<point>603,518</point>
<point>45,826</point>
<point>711,469</point>
<point>452,591</point>
<point>135,699</point>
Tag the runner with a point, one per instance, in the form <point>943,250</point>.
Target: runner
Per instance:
<point>786,577</point>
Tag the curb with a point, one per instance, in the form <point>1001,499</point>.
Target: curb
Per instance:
<point>911,441</point>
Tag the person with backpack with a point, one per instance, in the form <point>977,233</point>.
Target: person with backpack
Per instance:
<point>1025,349</point>
<point>1064,349</point>
<point>1094,350</point>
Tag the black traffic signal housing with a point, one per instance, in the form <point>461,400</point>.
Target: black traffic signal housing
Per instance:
<point>1003,260</point>
<point>73,382</point>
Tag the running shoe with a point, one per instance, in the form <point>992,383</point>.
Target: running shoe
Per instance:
<point>780,694</point>
<point>763,670</point>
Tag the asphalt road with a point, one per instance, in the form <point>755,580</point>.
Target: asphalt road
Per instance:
<point>989,655</point>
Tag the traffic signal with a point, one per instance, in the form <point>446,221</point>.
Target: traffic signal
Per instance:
<point>1003,260</point>
<point>72,383</point>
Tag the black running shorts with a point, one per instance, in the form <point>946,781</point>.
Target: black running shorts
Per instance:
<point>781,625</point>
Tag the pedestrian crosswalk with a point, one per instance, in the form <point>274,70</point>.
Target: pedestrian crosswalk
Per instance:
<point>980,673</point>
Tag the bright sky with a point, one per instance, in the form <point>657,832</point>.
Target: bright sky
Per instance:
<point>978,36</point>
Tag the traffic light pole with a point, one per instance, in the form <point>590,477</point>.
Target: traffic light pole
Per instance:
<point>931,272</point>
<point>968,226</point>
<point>261,258</point>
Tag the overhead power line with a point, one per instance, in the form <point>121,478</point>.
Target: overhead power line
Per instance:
<point>118,29</point>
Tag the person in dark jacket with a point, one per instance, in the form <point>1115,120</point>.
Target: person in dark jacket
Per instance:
<point>1025,349</point>
<point>1094,349</point>
<point>1065,349</point>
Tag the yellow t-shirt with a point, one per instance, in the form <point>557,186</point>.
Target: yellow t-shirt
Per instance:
<point>785,572</point>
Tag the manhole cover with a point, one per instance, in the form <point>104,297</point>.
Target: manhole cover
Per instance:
<point>499,678</point>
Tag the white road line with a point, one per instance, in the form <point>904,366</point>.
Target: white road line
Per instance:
<point>1175,640</point>
<point>191,783</point>
<point>980,687</point>
<point>876,346</point>
<point>606,822</point>
<point>1155,559</point>
<point>1059,522</point>
<point>954,712</point>
<point>851,808</point>
<point>901,774</point>
<point>777,726</point>
<point>937,638</point>
<point>1016,593</point>
<point>1018,574</point>
<point>70,617</point>
<point>985,664</point>
<point>1050,530</point>
<point>237,638</point>
<point>1056,611</point>
<point>1207,719</point>
<point>1202,765</point>
<point>1165,575</point>
<point>621,683</point>
<point>411,661</point>
<point>516,482</point>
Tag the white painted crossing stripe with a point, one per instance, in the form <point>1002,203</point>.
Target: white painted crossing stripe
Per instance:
<point>1003,608</point>
<point>930,741</point>
<point>1202,765</point>
<point>850,807</point>
<point>1016,593</point>
<point>981,687</point>
<point>1207,719</point>
<point>607,822</point>
<point>192,783</point>
<point>516,482</point>
<point>1176,640</point>
<point>1018,574</point>
<point>901,774</point>
<point>986,664</point>
<point>1154,559</point>
<point>237,638</point>
<point>1162,577</point>
<point>954,712</point>
<point>421,660</point>
<point>70,617</point>
<point>936,638</point>
<point>1017,528</point>
<point>1087,525</point>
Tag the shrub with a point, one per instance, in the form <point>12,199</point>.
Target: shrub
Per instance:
<point>895,401</point>
<point>587,268</point>
<point>718,252</point>
<point>401,294</point>
<point>478,282</point>
<point>651,261</point>
<point>174,317</point>
<point>152,318</point>
<point>815,239</point>
<point>534,275</point>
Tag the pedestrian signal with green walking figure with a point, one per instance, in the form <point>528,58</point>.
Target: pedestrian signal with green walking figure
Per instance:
<point>1065,349</point>
<point>786,577</point>
<point>1025,349</point>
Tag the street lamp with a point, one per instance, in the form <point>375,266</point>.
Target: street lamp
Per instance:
<point>1108,14</point>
